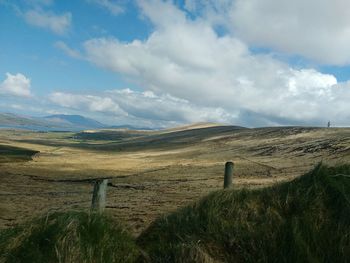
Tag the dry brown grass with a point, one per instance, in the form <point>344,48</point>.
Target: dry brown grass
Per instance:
<point>159,174</point>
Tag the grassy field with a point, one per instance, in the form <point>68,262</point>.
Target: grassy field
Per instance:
<point>154,172</point>
<point>10,154</point>
<point>68,237</point>
<point>305,220</point>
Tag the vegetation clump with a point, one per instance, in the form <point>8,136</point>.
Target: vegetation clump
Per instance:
<point>68,237</point>
<point>306,220</point>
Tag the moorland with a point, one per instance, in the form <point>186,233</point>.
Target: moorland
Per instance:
<point>151,173</point>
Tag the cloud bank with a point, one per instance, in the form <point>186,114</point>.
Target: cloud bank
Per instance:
<point>57,23</point>
<point>187,59</point>
<point>198,63</point>
<point>15,85</point>
<point>318,30</point>
<point>114,7</point>
<point>142,108</point>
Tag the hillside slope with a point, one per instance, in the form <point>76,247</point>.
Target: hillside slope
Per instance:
<point>73,121</point>
<point>306,220</point>
<point>15,154</point>
<point>48,123</point>
<point>156,172</point>
<point>13,120</point>
<point>161,139</point>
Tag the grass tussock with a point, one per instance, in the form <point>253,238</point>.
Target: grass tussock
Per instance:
<point>307,220</point>
<point>68,237</point>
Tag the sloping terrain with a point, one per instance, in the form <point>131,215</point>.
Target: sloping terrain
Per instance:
<point>70,238</point>
<point>73,121</point>
<point>305,220</point>
<point>14,154</point>
<point>108,135</point>
<point>169,139</point>
<point>13,120</point>
<point>155,172</point>
<point>48,123</point>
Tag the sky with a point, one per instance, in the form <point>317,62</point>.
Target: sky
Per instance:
<point>154,63</point>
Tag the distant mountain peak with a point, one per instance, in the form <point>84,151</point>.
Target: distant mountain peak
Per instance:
<point>57,122</point>
<point>51,122</point>
<point>77,120</point>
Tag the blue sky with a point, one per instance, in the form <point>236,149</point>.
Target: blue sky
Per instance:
<point>31,49</point>
<point>164,63</point>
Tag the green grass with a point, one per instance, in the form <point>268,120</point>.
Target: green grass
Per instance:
<point>12,154</point>
<point>307,220</point>
<point>68,237</point>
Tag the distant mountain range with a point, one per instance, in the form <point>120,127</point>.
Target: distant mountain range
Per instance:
<point>59,122</point>
<point>73,120</point>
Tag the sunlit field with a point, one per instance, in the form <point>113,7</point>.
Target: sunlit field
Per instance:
<point>152,173</point>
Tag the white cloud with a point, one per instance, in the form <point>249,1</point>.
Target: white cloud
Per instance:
<point>318,30</point>
<point>69,51</point>
<point>161,13</point>
<point>190,61</point>
<point>16,85</point>
<point>214,11</point>
<point>190,73</point>
<point>17,106</point>
<point>114,7</point>
<point>148,105</point>
<point>86,102</point>
<point>144,107</point>
<point>57,23</point>
<point>311,81</point>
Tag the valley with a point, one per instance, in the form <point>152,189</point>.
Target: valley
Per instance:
<point>152,172</point>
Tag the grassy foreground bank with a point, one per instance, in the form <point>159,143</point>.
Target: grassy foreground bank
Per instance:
<point>68,237</point>
<point>306,220</point>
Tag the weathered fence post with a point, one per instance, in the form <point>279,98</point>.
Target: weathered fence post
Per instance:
<point>228,175</point>
<point>99,196</point>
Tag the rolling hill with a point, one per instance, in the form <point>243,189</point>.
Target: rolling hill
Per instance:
<point>155,172</point>
<point>73,120</point>
<point>305,220</point>
<point>59,122</point>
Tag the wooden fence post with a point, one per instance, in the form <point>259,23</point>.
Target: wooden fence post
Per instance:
<point>228,175</point>
<point>99,196</point>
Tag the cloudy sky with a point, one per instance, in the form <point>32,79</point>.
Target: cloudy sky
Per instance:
<point>164,63</point>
